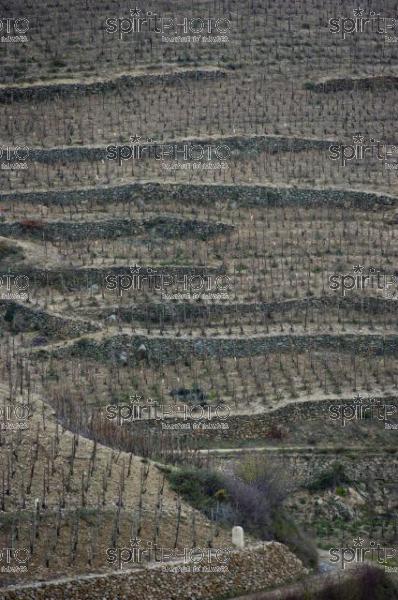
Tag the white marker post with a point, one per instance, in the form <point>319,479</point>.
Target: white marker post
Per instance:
<point>238,538</point>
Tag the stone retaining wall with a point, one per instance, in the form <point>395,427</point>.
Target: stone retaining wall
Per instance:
<point>166,350</point>
<point>299,469</point>
<point>172,312</point>
<point>262,426</point>
<point>94,277</point>
<point>353,83</point>
<point>44,92</point>
<point>207,194</point>
<point>247,146</point>
<point>24,318</point>
<point>167,227</point>
<point>28,317</point>
<point>247,571</point>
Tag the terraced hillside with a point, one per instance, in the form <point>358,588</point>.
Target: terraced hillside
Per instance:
<point>198,262</point>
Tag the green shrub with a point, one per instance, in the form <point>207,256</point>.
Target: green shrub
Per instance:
<point>332,477</point>
<point>251,497</point>
<point>202,489</point>
<point>288,532</point>
<point>10,312</point>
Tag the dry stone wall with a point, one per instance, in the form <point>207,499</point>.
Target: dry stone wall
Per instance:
<point>247,571</point>
<point>165,350</point>
<point>76,278</point>
<point>165,312</point>
<point>44,92</point>
<point>264,426</point>
<point>250,146</point>
<point>24,318</point>
<point>113,228</point>
<point>299,468</point>
<point>204,195</point>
